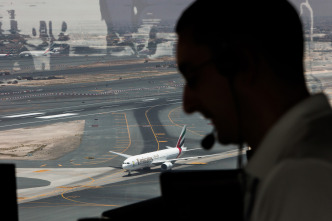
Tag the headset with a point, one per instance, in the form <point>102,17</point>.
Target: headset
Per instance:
<point>228,69</point>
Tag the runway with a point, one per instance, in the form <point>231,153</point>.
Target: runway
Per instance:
<point>132,116</point>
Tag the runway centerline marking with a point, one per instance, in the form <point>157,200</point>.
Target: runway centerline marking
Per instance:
<point>24,115</point>
<point>128,142</point>
<point>146,115</point>
<point>40,171</point>
<point>89,185</point>
<point>83,115</point>
<point>170,118</point>
<point>57,116</point>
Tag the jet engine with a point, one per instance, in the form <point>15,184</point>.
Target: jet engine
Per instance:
<point>166,166</point>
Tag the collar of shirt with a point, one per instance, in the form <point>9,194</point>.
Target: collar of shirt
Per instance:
<point>284,135</point>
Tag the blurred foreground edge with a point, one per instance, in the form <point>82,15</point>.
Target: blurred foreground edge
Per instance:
<point>8,205</point>
<point>189,195</point>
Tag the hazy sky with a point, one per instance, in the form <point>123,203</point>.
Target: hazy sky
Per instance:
<point>85,14</point>
<point>75,12</point>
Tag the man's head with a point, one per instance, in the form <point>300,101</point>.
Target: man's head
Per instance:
<point>229,51</point>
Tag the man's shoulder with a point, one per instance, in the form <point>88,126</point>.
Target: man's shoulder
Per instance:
<point>311,134</point>
<point>298,168</point>
<point>298,176</point>
<point>296,187</point>
<point>298,180</point>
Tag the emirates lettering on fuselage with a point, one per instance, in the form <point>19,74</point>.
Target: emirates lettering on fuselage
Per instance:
<point>147,160</point>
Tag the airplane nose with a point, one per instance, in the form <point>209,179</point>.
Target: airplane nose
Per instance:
<point>125,166</point>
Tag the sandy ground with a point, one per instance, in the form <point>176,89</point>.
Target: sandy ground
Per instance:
<point>41,143</point>
<point>99,77</point>
<point>86,78</point>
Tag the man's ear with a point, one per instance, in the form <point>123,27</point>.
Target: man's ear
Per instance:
<point>238,59</point>
<point>252,66</point>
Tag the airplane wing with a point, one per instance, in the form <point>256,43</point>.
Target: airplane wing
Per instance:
<point>181,159</point>
<point>121,154</point>
<point>186,150</point>
<point>226,154</point>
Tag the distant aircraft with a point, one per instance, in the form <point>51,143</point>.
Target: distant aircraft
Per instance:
<point>47,51</point>
<point>166,158</point>
<point>127,51</point>
<point>8,55</point>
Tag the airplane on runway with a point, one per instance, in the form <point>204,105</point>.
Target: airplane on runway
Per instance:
<point>47,51</point>
<point>166,158</point>
<point>6,55</point>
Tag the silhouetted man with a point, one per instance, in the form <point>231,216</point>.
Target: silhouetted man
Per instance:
<point>243,66</point>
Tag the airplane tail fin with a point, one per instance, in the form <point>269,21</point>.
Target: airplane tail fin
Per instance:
<point>49,48</point>
<point>46,51</point>
<point>181,140</point>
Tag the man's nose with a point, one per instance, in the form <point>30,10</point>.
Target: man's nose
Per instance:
<point>189,100</point>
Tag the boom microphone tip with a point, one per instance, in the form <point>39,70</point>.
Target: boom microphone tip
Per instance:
<point>208,141</point>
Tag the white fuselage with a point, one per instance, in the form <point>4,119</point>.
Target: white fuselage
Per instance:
<point>146,160</point>
<point>5,55</point>
<point>35,53</point>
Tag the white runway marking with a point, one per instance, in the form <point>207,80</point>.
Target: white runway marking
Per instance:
<point>56,116</point>
<point>86,115</point>
<point>23,115</point>
<point>150,99</point>
<point>180,99</point>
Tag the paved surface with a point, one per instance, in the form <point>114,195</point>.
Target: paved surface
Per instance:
<point>143,115</point>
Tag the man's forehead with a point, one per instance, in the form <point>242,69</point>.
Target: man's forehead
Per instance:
<point>189,52</point>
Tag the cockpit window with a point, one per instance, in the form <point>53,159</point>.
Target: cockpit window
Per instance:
<point>80,78</point>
